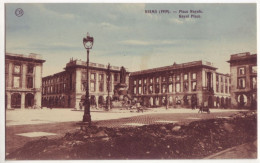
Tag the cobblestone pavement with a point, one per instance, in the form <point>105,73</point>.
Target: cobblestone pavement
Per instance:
<point>159,119</point>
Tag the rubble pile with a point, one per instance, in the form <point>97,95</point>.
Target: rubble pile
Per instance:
<point>195,140</point>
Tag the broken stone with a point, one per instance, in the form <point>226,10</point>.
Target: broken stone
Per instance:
<point>228,127</point>
<point>100,134</point>
<point>105,139</point>
<point>176,128</point>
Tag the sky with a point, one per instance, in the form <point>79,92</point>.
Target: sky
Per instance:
<point>124,35</point>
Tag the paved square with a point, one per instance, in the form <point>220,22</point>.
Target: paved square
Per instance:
<point>162,121</point>
<point>36,134</point>
<point>134,124</point>
<point>192,118</point>
<point>224,117</point>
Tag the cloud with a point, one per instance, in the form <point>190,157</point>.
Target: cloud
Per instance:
<point>135,42</point>
<point>108,25</point>
<point>146,43</point>
<point>52,13</point>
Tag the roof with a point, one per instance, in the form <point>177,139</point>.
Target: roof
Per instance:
<point>21,57</point>
<point>176,66</point>
<point>242,56</point>
<point>80,63</point>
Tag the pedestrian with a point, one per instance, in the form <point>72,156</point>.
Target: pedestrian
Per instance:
<point>51,105</point>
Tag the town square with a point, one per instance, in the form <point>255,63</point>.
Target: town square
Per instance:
<point>130,84</point>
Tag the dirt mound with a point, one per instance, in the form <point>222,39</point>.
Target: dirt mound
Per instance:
<point>197,139</point>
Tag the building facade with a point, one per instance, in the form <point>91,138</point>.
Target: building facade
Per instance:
<point>67,89</point>
<point>189,84</point>
<point>23,82</point>
<point>243,68</point>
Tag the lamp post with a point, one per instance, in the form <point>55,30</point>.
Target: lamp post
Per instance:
<point>108,86</point>
<point>88,43</point>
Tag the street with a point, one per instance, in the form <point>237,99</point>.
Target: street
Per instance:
<point>27,125</point>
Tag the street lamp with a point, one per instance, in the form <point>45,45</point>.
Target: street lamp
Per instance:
<point>108,86</point>
<point>88,43</point>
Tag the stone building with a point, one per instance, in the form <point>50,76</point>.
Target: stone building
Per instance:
<point>181,85</point>
<point>23,82</point>
<point>66,89</point>
<point>243,68</point>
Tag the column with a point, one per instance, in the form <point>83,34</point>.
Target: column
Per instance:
<point>22,100</point>
<point>189,80</point>
<point>112,84</point>
<point>78,81</point>
<point>181,82</point>
<point>10,79</point>
<point>77,101</point>
<point>96,82</point>
<point>8,94</point>
<point>214,81</point>
<point>203,78</point>
<point>38,77</point>
<point>23,71</point>
<point>105,84</point>
<point>96,101</point>
<point>38,99</point>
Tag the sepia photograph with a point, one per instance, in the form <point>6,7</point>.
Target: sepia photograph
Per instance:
<point>130,81</point>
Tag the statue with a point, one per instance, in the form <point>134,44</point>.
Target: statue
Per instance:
<point>122,75</point>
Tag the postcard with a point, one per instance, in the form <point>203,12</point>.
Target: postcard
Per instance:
<point>130,81</point>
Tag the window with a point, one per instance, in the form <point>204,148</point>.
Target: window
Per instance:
<point>144,89</point>
<point>29,82</point>
<point>144,81</point>
<point>194,86</point>
<point>241,83</point>
<point>221,78</point>
<point>185,77</point>
<point>222,89</point>
<point>115,77</point>
<point>134,90</point>
<point>194,76</point>
<point>140,90</point>
<point>93,76</point>
<point>164,79</point>
<point>253,82</point>
<point>151,80</point>
<point>254,69</point>
<point>151,89</point>
<point>170,88</point>
<point>164,89</point>
<point>178,87</point>
<point>217,78</point>
<point>225,79</point>
<point>177,77</point>
<point>186,86</point>
<point>157,89</point>
<point>241,70</point>
<point>17,69</point>
<point>157,79</point>
<point>92,86</point>
<point>101,77</point>
<point>170,79</point>
<point>217,87</point>
<point>134,82</point>
<point>226,89</point>
<point>16,81</point>
<point>140,82</point>
<point>30,69</point>
<point>101,87</point>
